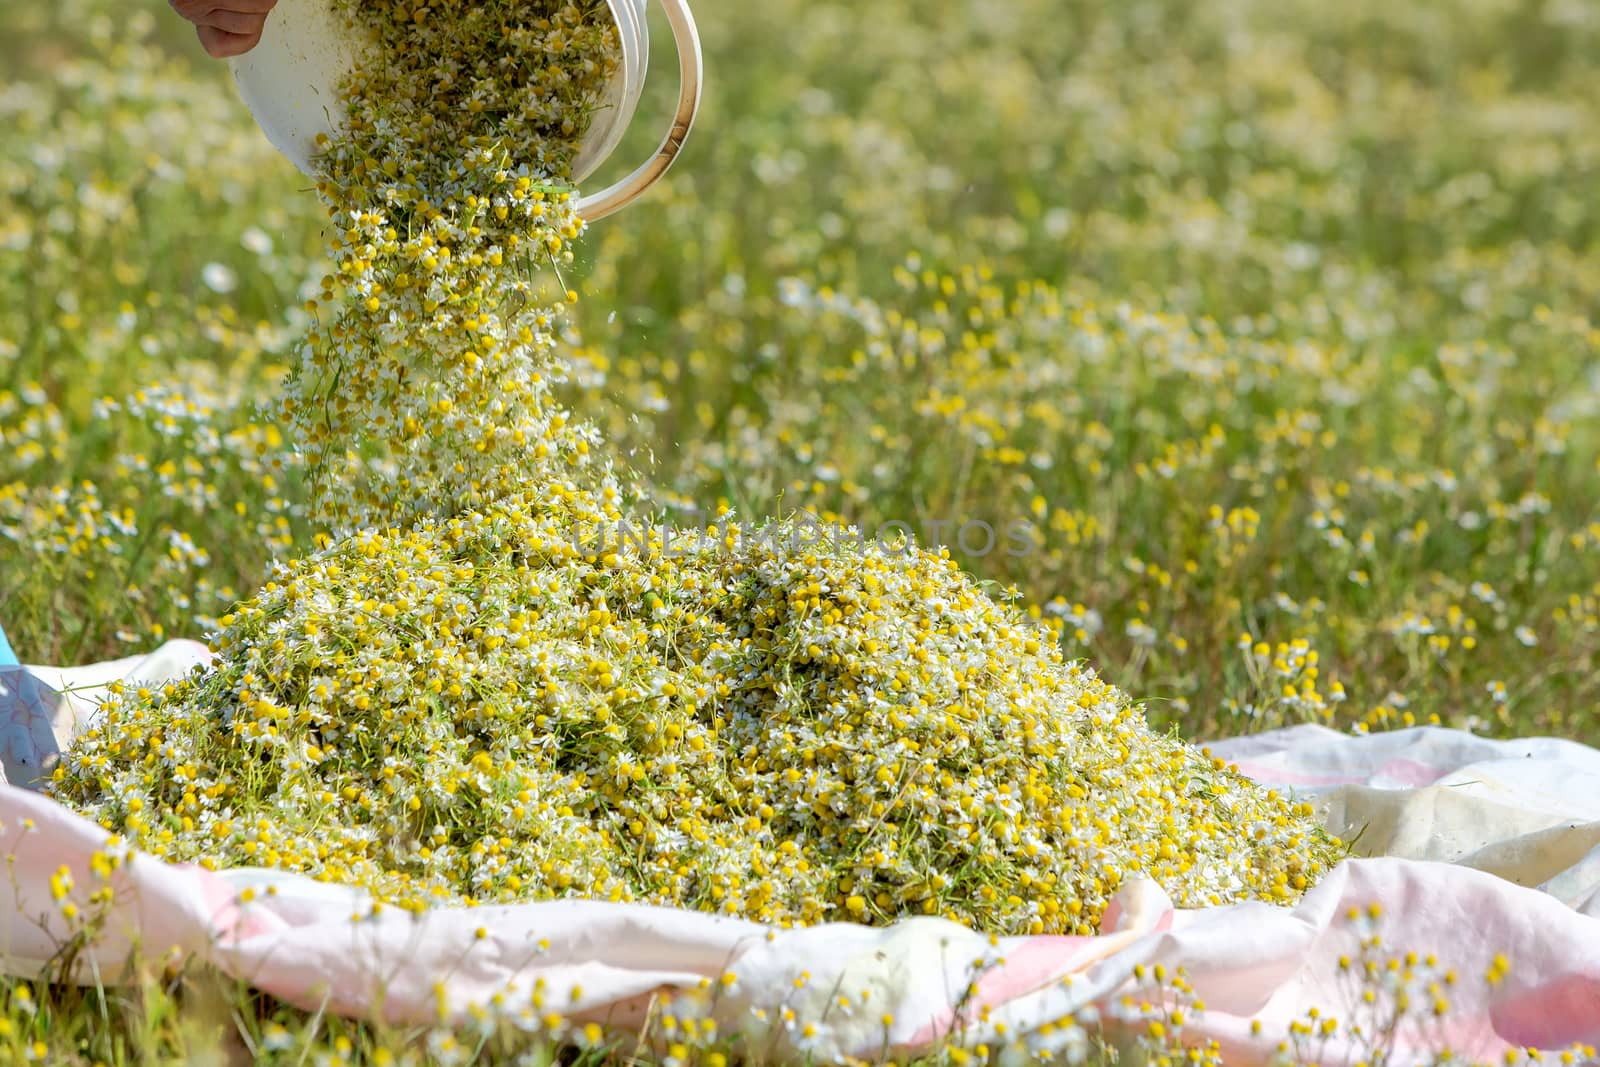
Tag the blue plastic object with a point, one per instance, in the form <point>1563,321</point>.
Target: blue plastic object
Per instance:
<point>8,658</point>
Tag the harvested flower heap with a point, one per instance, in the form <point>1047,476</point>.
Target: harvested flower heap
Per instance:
<point>493,683</point>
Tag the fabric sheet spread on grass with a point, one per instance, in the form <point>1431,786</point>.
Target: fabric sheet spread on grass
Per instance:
<point>1486,866</point>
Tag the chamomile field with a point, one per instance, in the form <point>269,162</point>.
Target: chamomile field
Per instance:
<point>1235,364</point>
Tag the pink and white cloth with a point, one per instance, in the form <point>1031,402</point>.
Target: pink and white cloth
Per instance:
<point>1482,887</point>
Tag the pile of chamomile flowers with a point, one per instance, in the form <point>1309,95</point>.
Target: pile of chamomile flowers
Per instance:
<point>520,702</point>
<point>495,682</point>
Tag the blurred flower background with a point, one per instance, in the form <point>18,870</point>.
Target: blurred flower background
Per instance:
<point>1276,323</point>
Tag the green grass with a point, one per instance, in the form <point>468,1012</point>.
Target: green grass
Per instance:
<point>1276,320</point>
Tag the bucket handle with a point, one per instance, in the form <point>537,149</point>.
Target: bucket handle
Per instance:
<point>691,72</point>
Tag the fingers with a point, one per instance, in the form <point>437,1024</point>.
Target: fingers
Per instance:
<point>236,22</point>
<point>220,44</point>
<point>197,10</point>
<point>227,27</point>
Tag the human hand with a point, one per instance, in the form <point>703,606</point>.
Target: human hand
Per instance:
<point>227,27</point>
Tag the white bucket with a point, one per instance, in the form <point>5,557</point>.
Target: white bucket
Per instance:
<point>289,81</point>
